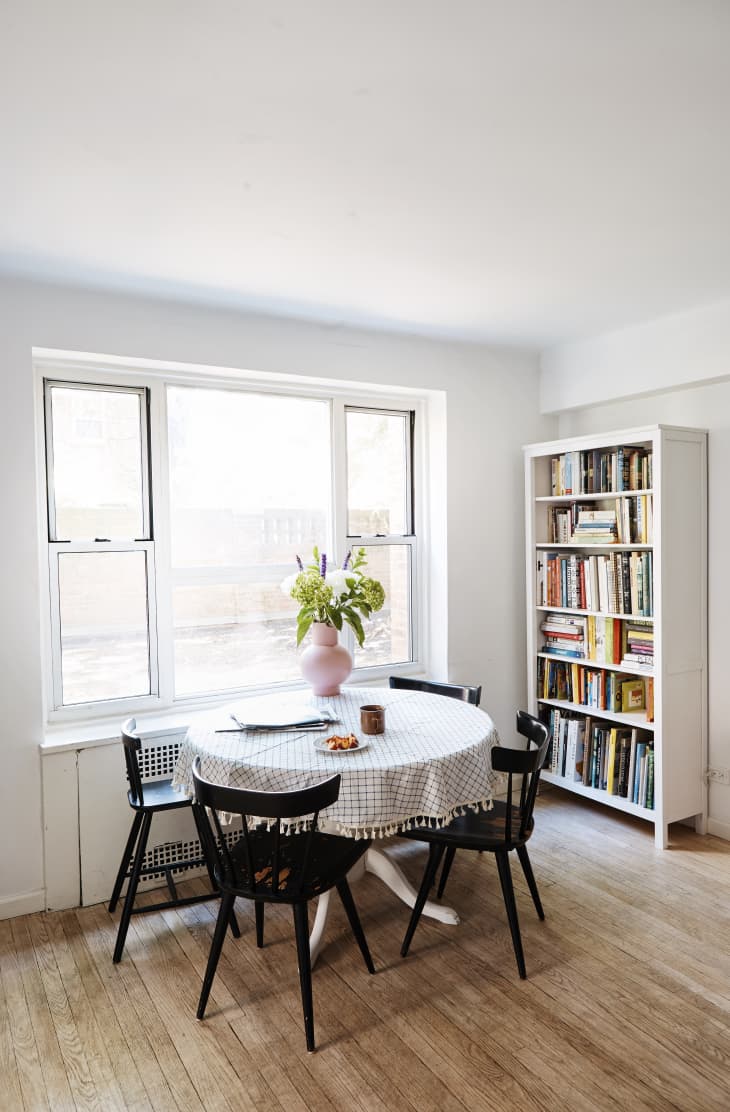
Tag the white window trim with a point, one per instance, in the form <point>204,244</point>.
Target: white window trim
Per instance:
<point>92,370</point>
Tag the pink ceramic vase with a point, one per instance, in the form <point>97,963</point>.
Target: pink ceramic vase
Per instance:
<point>325,663</point>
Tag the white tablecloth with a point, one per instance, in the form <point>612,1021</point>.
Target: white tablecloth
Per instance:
<point>432,761</point>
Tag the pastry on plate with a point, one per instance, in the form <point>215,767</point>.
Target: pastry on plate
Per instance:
<point>341,741</point>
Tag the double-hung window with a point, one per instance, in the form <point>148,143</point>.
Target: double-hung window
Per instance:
<point>380,518</point>
<point>101,551</point>
<point>177,507</point>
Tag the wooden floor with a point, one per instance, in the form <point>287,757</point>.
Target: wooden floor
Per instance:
<point>627,1005</point>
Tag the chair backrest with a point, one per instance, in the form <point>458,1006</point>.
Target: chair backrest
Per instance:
<point>132,745</point>
<point>465,692</point>
<point>275,806</point>
<point>526,763</point>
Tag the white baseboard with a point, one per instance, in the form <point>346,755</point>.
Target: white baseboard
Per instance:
<point>22,904</point>
<point>719,829</point>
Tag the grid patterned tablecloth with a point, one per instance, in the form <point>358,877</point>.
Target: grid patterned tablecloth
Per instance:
<point>432,761</point>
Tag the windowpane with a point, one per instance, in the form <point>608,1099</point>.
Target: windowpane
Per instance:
<point>387,633</point>
<point>231,635</point>
<point>250,486</point>
<point>378,449</point>
<point>97,463</point>
<point>104,641</point>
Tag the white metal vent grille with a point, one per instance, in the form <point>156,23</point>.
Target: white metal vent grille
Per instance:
<point>167,853</point>
<point>157,762</point>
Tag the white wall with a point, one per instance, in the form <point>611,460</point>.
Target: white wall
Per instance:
<point>678,352</point>
<point>669,353</point>
<point>491,410</point>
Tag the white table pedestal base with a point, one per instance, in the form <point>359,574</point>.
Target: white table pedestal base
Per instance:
<point>377,862</point>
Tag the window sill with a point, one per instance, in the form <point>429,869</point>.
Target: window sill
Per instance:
<point>65,737</point>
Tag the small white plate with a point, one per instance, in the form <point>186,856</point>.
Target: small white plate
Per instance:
<point>320,744</point>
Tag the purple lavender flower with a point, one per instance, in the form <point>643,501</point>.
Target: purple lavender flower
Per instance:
<point>300,565</point>
<point>323,565</point>
<point>347,560</point>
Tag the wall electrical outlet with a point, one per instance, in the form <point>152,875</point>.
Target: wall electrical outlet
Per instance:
<point>718,775</point>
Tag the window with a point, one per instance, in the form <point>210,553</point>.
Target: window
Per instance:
<point>101,555</point>
<point>250,486</point>
<point>380,517</point>
<point>176,510</point>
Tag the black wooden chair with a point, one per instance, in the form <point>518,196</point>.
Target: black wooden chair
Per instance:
<point>465,692</point>
<point>268,866</point>
<point>147,799</point>
<point>507,826</point>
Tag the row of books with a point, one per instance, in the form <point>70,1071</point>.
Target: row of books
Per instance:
<point>600,471</point>
<point>638,645</point>
<point>598,639</point>
<point>630,522</point>
<point>612,583</point>
<point>595,527</point>
<point>614,759</point>
<point>616,692</point>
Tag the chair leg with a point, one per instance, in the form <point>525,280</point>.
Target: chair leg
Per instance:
<point>505,877</point>
<point>132,889</point>
<point>259,908</point>
<point>199,819</point>
<point>233,923</point>
<point>448,862</point>
<point>224,916</point>
<point>126,858</point>
<point>435,853</point>
<point>348,903</point>
<point>301,928</point>
<point>530,878</point>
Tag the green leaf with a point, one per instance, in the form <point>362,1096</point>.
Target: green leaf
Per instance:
<point>303,624</point>
<point>335,617</point>
<point>356,624</point>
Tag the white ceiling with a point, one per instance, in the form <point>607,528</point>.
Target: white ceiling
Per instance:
<point>523,171</point>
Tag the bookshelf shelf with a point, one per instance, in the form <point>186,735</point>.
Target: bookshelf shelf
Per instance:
<point>575,547</point>
<point>598,794</point>
<point>635,718</point>
<point>595,613</point>
<point>663,760</point>
<point>566,499</point>
<point>584,662</point>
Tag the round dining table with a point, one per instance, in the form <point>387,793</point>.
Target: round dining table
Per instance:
<point>431,763</point>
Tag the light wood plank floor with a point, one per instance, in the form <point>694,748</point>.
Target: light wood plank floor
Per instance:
<point>627,1005</point>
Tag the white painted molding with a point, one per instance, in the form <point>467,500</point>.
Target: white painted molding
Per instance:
<point>719,829</point>
<point>24,903</point>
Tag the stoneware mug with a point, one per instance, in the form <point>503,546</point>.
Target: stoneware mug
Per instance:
<point>372,719</point>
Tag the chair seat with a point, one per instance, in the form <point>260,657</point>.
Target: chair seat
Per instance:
<point>475,830</point>
<point>330,858</point>
<point>159,795</point>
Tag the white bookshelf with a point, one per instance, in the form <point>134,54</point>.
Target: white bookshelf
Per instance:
<point>678,548</point>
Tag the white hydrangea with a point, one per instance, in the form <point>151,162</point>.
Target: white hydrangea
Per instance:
<point>288,584</point>
<point>337,580</point>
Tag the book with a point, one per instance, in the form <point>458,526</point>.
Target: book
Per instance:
<point>570,749</point>
<point>588,746</point>
<point>611,778</point>
<point>632,695</point>
<point>628,785</point>
<point>638,766</point>
<point>623,764</point>
<point>580,745</point>
<point>650,778</point>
